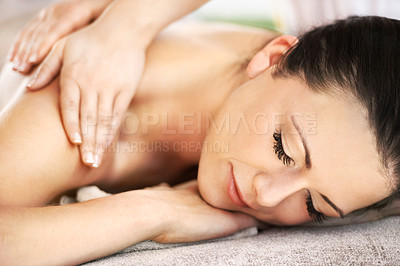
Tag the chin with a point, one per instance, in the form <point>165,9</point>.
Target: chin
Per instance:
<point>207,195</point>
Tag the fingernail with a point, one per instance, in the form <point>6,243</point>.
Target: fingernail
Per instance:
<point>16,64</point>
<point>22,67</point>
<point>96,161</point>
<point>32,58</point>
<point>32,82</point>
<point>89,158</point>
<point>76,138</point>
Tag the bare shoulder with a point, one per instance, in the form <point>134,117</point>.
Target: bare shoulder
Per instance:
<point>186,51</point>
<point>218,30</point>
<point>228,35</point>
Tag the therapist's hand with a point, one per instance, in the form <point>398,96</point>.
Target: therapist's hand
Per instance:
<point>99,74</point>
<point>51,24</point>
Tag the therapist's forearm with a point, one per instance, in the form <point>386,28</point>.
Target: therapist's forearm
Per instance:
<point>76,233</point>
<point>142,20</point>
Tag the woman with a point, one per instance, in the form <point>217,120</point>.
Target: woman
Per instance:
<point>134,23</point>
<point>300,133</point>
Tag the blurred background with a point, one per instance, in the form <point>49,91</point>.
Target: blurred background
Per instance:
<point>288,16</point>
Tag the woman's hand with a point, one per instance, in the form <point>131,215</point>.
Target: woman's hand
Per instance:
<point>51,24</point>
<point>98,80</point>
<point>192,219</point>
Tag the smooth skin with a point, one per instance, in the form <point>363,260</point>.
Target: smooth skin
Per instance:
<point>39,163</point>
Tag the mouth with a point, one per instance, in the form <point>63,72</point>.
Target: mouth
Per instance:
<point>233,191</point>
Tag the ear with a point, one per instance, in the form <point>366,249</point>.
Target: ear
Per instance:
<point>269,55</point>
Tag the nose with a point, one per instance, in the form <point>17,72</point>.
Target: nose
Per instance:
<point>271,190</point>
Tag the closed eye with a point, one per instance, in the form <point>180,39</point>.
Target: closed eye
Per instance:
<point>315,215</point>
<point>279,152</point>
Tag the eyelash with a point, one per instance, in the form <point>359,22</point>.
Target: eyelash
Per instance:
<point>278,150</point>
<point>315,215</point>
<point>280,153</point>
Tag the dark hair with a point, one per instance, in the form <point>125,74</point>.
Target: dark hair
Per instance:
<point>359,56</point>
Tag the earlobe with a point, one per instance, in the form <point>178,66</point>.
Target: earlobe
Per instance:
<point>270,54</point>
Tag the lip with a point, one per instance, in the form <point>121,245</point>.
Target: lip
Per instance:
<point>233,190</point>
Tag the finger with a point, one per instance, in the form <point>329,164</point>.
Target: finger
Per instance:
<point>17,45</point>
<point>24,47</point>
<point>25,66</point>
<point>30,57</point>
<point>41,47</point>
<point>70,104</point>
<point>105,116</point>
<point>49,68</point>
<point>121,104</point>
<point>39,19</point>
<point>41,30</point>
<point>13,49</point>
<point>47,36</point>
<point>88,120</point>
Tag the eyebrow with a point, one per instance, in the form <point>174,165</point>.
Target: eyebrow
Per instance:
<point>307,156</point>
<point>336,208</point>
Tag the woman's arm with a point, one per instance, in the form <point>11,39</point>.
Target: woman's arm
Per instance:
<point>81,232</point>
<point>76,233</point>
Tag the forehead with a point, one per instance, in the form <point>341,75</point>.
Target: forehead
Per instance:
<point>345,162</point>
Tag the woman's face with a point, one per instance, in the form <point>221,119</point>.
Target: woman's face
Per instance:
<point>326,151</point>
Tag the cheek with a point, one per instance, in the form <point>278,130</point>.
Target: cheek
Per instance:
<point>290,217</point>
<point>291,211</point>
